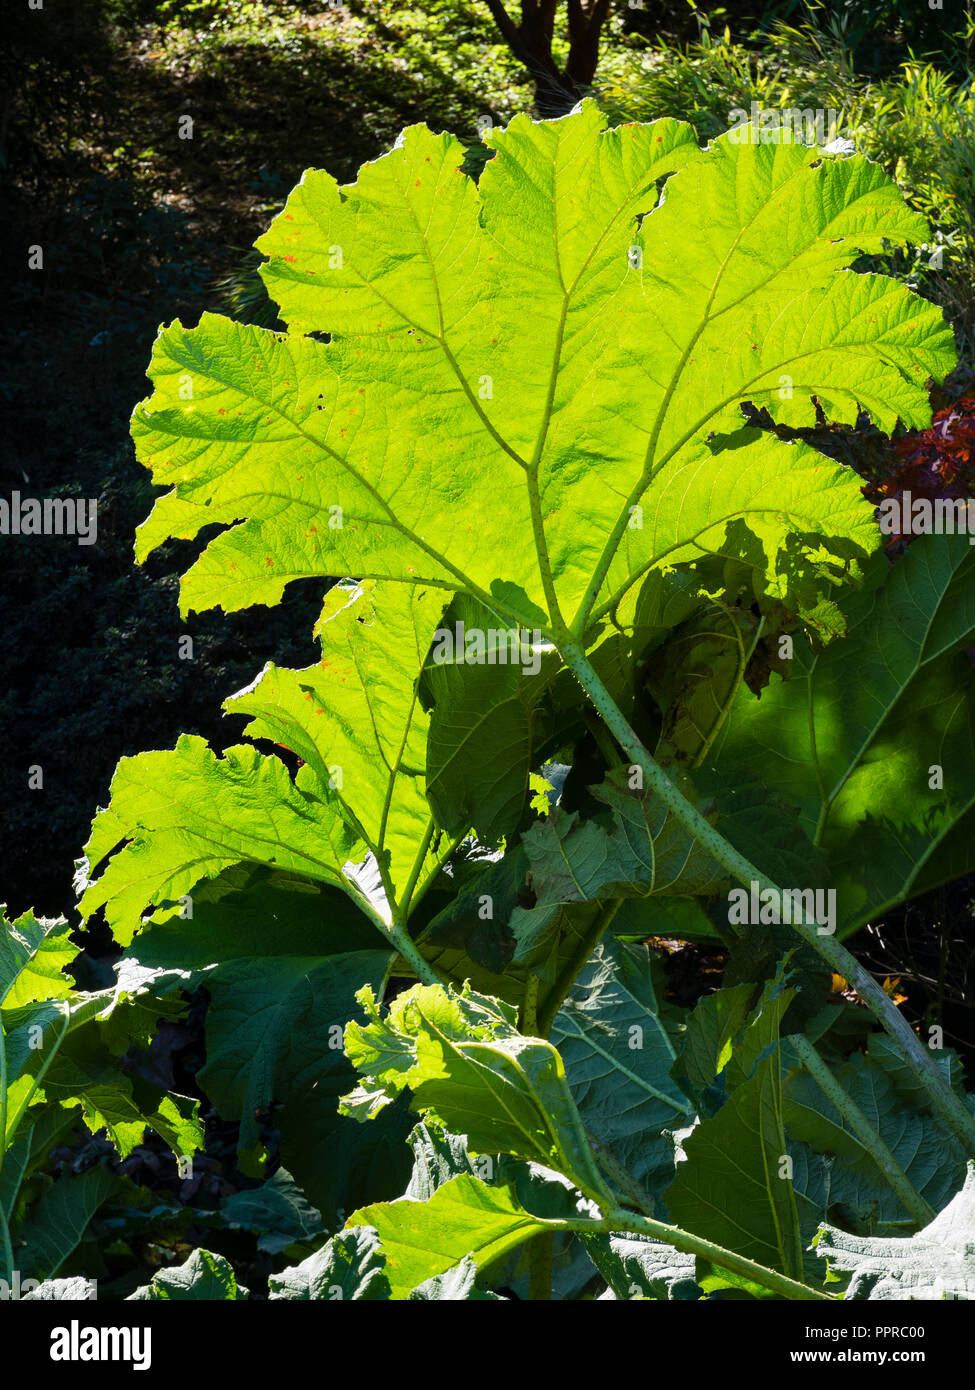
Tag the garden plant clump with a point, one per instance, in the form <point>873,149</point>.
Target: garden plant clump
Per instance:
<point>616,657</point>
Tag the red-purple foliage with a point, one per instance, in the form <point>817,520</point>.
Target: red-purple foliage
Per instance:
<point>937,462</point>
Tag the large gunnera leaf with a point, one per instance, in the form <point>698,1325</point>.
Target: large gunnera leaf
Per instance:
<point>281,960</point>
<point>470,1069</point>
<point>204,1277</point>
<point>613,1038</point>
<point>938,1263</point>
<point>183,815</point>
<point>733,1188</point>
<point>873,738</point>
<point>532,391</point>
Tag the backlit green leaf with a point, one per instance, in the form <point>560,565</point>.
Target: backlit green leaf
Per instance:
<point>355,718</point>
<point>463,1219</point>
<point>470,1069</point>
<point>187,815</point>
<point>32,955</point>
<point>608,419</point>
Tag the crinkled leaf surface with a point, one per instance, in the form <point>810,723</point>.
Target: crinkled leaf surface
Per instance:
<point>635,1266</point>
<point>641,849</point>
<point>456,1286</point>
<point>618,1056</point>
<point>643,339</point>
<point>278,1211</point>
<point>204,1276</point>
<point>60,1290</point>
<point>938,1263</point>
<point>438,1156</point>
<point>929,1154</point>
<point>470,1069</point>
<point>886,1054</point>
<point>186,815</point>
<point>580,868</point>
<point>349,1266</point>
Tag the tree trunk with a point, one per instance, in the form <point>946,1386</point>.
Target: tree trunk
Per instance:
<point>556,92</point>
<point>585,26</point>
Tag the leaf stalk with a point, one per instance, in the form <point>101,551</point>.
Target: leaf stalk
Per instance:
<point>890,1169</point>
<point>942,1099</point>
